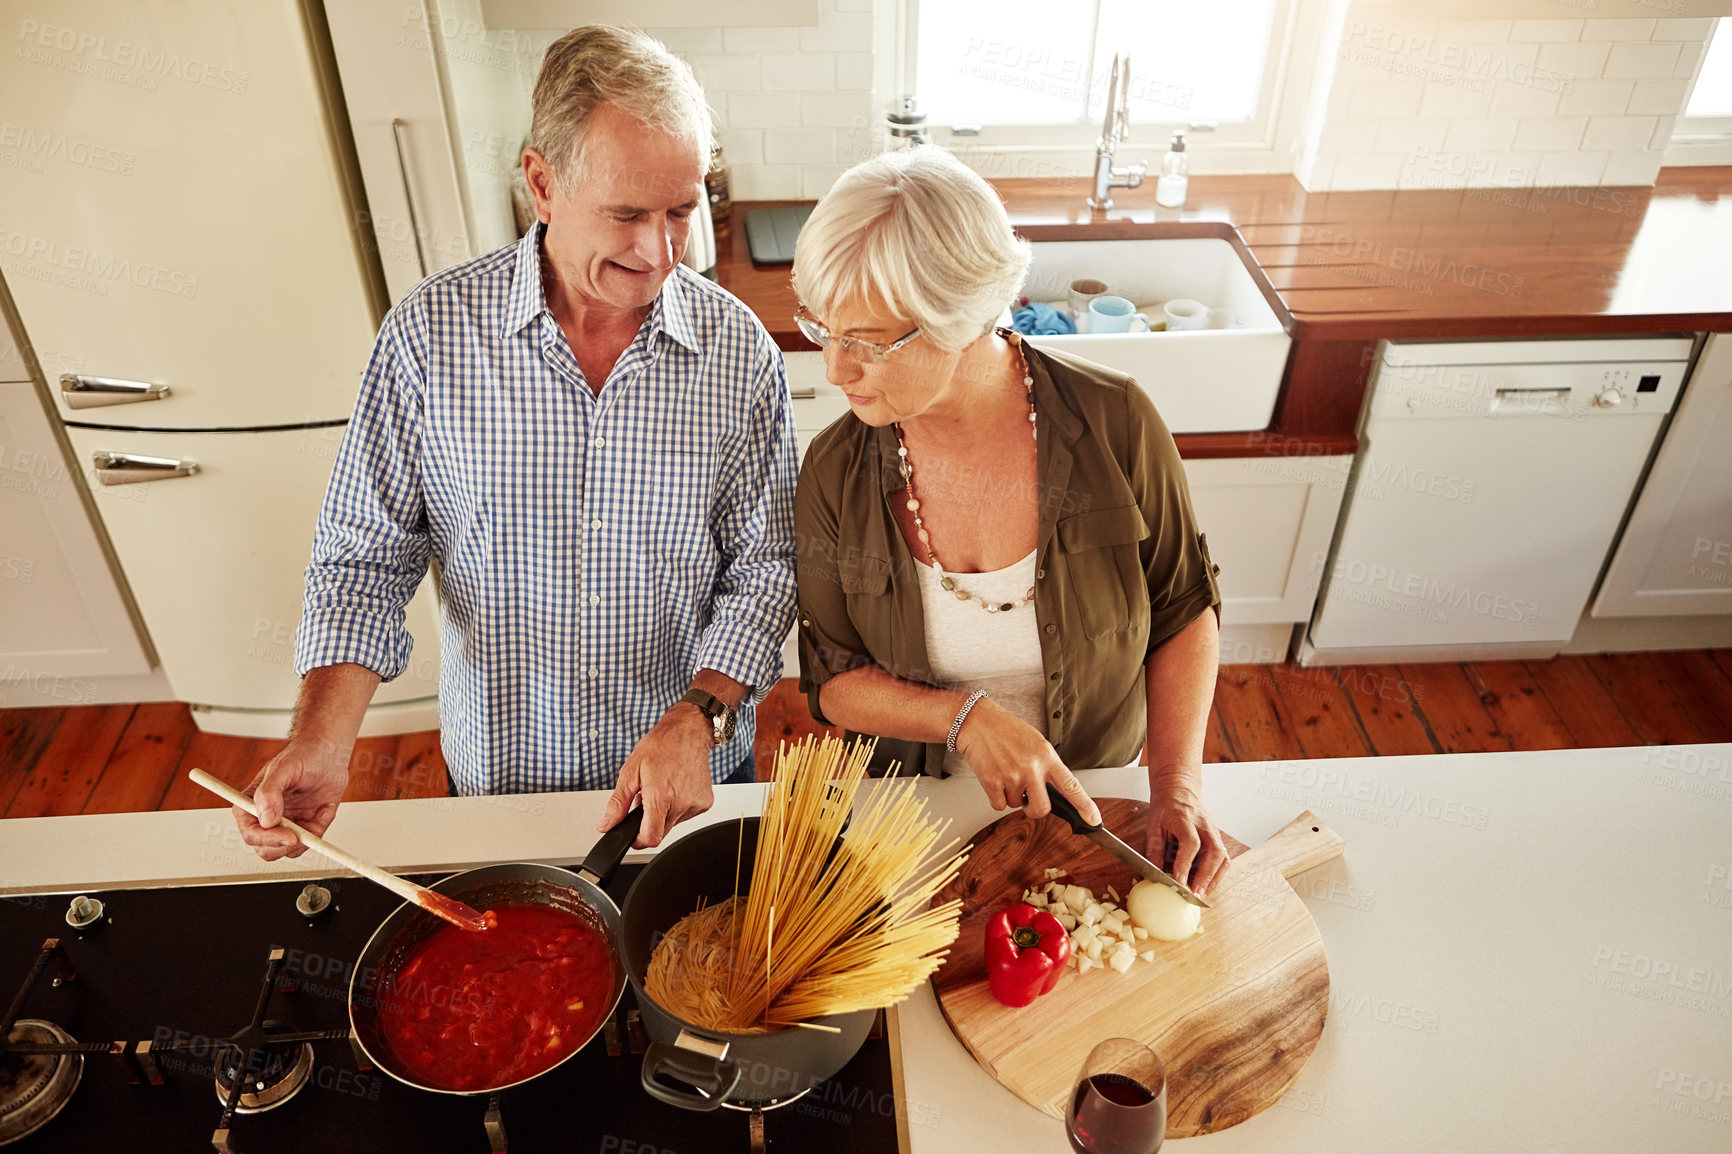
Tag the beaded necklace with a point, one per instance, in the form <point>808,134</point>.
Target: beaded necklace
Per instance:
<point>906,467</point>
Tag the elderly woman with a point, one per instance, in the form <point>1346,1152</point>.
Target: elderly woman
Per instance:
<point>999,568</point>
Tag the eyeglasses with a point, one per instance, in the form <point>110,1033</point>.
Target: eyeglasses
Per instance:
<point>865,350</point>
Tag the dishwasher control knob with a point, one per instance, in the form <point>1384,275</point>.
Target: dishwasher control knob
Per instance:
<point>1609,397</point>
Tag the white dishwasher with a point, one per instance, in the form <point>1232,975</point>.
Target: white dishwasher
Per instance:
<point>1490,484</point>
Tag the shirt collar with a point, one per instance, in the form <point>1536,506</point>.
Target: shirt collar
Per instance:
<point>670,313</point>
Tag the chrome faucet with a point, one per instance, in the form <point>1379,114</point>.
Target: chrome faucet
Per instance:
<point>1113,132</point>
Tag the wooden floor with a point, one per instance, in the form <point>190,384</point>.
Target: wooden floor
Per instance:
<point>127,758</point>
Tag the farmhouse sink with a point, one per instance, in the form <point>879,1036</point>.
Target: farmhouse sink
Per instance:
<point>1202,381</point>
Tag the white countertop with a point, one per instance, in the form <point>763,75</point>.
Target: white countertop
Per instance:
<point>1528,951</point>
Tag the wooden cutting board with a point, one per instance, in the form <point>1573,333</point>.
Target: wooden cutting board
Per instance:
<point>1233,1012</point>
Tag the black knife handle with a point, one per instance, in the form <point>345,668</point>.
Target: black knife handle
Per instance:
<point>1066,812</point>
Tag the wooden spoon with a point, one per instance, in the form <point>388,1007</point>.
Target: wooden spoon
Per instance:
<point>437,904</point>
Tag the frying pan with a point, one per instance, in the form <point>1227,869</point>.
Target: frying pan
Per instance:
<point>409,926</point>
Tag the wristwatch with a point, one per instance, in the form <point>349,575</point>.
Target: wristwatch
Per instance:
<point>721,716</point>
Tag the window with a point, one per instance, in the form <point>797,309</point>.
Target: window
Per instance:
<point>1031,75</point>
<point>1703,135</point>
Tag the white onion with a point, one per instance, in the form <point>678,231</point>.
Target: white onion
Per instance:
<point>1162,912</point>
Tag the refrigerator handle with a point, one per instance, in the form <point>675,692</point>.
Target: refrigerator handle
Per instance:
<point>132,468</point>
<point>398,130</point>
<point>81,392</point>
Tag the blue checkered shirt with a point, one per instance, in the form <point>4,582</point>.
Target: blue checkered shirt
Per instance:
<point>593,552</point>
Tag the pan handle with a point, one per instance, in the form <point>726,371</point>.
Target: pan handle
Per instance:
<point>709,1073</point>
<point>609,850</point>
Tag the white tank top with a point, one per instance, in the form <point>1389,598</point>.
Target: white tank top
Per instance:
<point>971,649</point>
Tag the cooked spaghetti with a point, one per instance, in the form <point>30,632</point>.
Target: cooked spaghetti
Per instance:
<point>825,928</point>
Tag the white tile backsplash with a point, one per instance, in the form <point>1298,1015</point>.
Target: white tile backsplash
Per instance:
<point>1640,167</point>
<point>1510,98</point>
<point>1619,132</point>
<point>1618,30</point>
<point>799,146</point>
<point>1486,102</point>
<point>1480,134</point>
<point>1417,100</point>
<point>1575,59</point>
<point>1642,61</point>
<point>1570,168</point>
<point>1596,98</point>
<point>1551,133</point>
<point>1546,31</point>
<point>1658,97</point>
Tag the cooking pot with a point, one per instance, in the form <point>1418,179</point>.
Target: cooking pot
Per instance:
<point>688,1065</point>
<point>408,926</point>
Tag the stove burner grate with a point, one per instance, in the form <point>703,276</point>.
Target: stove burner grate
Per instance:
<point>274,1073</point>
<point>35,1087</point>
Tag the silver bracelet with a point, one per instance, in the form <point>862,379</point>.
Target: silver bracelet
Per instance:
<point>956,726</point>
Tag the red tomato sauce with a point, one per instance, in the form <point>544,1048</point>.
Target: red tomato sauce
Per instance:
<point>471,1011</point>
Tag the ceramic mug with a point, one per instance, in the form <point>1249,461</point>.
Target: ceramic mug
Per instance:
<point>1223,319</point>
<point>1109,314</point>
<point>1183,313</point>
<point>1083,291</point>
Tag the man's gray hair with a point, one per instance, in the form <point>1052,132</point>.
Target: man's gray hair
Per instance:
<point>921,232</point>
<point>600,64</point>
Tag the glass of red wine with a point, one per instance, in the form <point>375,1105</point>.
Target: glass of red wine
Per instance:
<point>1119,1105</point>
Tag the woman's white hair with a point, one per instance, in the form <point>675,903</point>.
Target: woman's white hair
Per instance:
<point>600,64</point>
<point>917,231</point>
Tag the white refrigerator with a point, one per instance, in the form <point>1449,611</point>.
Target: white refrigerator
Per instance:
<point>183,227</point>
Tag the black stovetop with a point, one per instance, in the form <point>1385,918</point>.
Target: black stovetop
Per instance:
<point>186,964</point>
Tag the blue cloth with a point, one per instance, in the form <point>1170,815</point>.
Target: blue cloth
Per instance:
<point>593,551</point>
<point>1039,320</point>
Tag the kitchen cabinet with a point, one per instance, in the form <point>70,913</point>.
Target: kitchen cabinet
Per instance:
<point>1268,521</point>
<point>64,619</point>
<point>1675,557</point>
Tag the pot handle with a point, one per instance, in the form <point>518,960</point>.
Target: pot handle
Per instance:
<point>712,1077</point>
<point>609,850</point>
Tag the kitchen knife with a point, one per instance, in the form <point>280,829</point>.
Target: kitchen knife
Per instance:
<point>1103,837</point>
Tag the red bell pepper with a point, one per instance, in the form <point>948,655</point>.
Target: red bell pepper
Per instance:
<point>1026,950</point>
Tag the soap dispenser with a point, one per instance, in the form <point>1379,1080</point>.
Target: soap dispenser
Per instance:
<point>1175,174</point>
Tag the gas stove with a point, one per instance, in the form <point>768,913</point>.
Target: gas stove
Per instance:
<point>216,1018</point>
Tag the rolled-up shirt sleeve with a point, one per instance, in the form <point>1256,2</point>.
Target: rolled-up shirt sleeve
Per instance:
<point>754,592</point>
<point>1175,554</point>
<point>371,545</point>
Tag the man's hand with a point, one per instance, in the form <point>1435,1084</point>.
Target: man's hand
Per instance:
<point>1176,815</point>
<point>670,769</point>
<point>304,782</point>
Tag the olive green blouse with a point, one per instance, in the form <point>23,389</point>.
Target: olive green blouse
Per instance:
<point>1121,567</point>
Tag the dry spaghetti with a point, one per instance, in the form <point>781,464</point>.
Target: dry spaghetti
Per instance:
<point>824,928</point>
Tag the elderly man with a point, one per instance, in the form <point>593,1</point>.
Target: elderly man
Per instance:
<point>594,446</point>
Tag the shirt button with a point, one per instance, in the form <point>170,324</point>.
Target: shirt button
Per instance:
<point>1055,677</point>
<point>1040,574</point>
<point>807,624</point>
<point>595,524</point>
<point>1057,713</point>
<point>595,733</point>
<point>595,599</point>
<point>1051,628</point>
<point>601,442</point>
<point>594,672</point>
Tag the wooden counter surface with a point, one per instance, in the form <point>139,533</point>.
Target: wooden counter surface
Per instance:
<point>1352,268</point>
